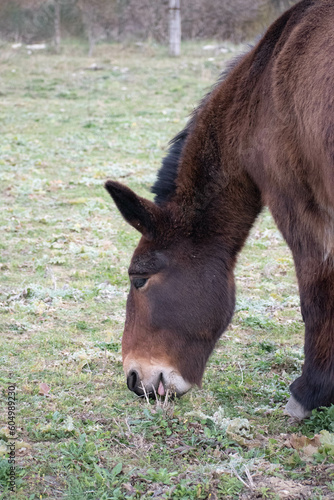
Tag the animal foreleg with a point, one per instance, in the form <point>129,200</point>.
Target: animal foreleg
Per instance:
<point>315,387</point>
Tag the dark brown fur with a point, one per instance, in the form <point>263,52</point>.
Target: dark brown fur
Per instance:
<point>263,136</point>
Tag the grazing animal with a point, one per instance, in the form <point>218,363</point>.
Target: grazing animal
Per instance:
<point>263,136</point>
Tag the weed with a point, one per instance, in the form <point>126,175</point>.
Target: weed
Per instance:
<point>321,419</point>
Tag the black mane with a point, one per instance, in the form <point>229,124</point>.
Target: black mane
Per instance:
<point>165,185</point>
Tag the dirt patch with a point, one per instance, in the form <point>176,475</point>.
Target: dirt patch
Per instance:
<point>284,488</point>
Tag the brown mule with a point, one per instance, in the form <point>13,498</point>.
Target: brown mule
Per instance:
<point>263,136</point>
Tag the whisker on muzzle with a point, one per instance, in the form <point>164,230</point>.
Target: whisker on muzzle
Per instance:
<point>145,393</point>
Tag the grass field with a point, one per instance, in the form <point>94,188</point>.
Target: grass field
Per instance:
<point>68,122</point>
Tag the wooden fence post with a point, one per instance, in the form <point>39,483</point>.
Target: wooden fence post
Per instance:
<point>174,28</point>
<point>57,25</point>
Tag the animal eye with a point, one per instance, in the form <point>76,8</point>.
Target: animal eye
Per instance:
<point>139,282</point>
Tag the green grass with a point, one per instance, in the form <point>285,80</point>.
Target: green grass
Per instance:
<point>66,128</point>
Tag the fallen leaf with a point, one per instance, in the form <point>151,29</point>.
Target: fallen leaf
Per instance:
<point>129,488</point>
<point>44,389</point>
<point>304,444</point>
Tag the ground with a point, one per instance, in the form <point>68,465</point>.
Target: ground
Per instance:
<point>69,122</point>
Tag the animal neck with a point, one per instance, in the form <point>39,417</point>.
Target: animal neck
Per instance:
<point>213,188</point>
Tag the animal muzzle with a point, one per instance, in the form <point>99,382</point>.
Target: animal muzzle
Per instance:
<point>154,380</point>
<point>136,385</point>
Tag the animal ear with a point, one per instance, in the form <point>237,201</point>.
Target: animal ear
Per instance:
<point>142,214</point>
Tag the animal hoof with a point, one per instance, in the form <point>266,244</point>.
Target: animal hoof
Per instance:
<point>296,410</point>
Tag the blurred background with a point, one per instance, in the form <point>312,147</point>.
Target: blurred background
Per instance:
<point>35,21</point>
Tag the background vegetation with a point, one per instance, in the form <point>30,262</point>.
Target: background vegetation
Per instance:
<point>33,21</point>
<point>68,122</point>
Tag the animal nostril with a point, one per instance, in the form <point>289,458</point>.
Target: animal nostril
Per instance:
<point>132,380</point>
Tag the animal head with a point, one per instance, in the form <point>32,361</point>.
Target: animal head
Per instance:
<point>181,296</point>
